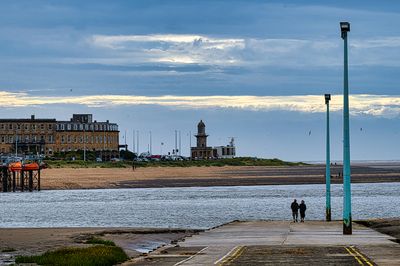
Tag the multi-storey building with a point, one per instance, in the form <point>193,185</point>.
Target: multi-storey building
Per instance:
<point>48,136</point>
<point>27,135</point>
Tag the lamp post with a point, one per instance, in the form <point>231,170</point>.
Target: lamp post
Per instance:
<point>84,144</point>
<point>328,162</point>
<point>347,226</point>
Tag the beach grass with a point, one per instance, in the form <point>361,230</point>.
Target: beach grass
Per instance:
<point>101,255</point>
<point>239,161</point>
<point>8,249</point>
<point>96,240</point>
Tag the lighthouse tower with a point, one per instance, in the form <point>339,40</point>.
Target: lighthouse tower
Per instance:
<point>201,151</point>
<point>201,135</point>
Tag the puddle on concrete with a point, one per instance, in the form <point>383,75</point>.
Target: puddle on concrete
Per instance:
<point>145,247</point>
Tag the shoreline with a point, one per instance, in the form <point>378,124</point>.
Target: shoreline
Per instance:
<point>134,241</point>
<point>159,177</point>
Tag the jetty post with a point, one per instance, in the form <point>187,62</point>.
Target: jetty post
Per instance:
<point>17,176</point>
<point>4,179</point>
<point>347,220</point>
<point>328,163</point>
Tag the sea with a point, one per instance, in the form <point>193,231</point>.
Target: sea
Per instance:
<point>189,207</point>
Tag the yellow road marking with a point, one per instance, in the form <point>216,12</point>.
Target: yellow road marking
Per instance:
<point>191,257</point>
<point>231,256</point>
<point>367,261</point>
<point>354,255</point>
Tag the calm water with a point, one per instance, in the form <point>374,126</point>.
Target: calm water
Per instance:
<point>195,207</point>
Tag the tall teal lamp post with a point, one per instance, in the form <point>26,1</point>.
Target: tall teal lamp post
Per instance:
<point>347,227</point>
<point>328,162</point>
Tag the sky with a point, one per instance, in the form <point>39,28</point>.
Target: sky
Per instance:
<point>253,70</point>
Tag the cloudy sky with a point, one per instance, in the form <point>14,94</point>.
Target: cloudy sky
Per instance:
<point>253,70</point>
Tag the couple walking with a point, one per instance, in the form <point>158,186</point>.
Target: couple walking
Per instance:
<point>295,211</point>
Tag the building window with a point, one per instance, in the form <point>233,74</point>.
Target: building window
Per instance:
<point>50,126</point>
<point>26,126</point>
<point>3,139</point>
<point>50,138</point>
<point>41,126</point>
<point>62,139</point>
<point>10,126</point>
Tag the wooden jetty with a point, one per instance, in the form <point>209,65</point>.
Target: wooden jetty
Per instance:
<point>20,177</point>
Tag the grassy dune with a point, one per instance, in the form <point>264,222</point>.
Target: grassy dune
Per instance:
<point>240,161</point>
<point>98,255</point>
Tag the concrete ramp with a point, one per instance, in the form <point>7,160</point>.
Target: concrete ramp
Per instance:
<point>284,243</point>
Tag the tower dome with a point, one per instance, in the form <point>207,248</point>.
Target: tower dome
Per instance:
<point>201,127</point>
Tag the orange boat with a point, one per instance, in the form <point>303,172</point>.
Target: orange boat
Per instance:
<point>30,166</point>
<point>15,167</point>
<point>18,166</point>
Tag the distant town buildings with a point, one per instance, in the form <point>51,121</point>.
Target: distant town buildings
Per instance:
<point>202,151</point>
<point>48,136</point>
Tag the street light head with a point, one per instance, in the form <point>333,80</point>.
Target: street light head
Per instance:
<point>344,28</point>
<point>327,98</point>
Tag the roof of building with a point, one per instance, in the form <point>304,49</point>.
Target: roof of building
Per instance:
<point>26,120</point>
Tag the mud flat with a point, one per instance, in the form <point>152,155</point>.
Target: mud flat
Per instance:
<point>33,241</point>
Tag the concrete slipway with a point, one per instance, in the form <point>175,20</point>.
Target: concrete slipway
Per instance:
<point>279,242</point>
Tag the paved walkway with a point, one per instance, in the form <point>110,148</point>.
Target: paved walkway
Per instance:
<point>280,242</point>
<point>225,242</point>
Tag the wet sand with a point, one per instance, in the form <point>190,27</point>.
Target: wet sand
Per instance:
<point>91,178</point>
<point>134,241</point>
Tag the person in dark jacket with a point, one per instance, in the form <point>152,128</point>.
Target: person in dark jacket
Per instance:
<point>295,210</point>
<point>303,209</point>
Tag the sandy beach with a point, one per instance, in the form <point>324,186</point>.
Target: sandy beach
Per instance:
<point>92,178</point>
<point>134,241</point>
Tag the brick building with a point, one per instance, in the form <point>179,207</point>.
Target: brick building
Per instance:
<point>47,136</point>
<point>202,151</point>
